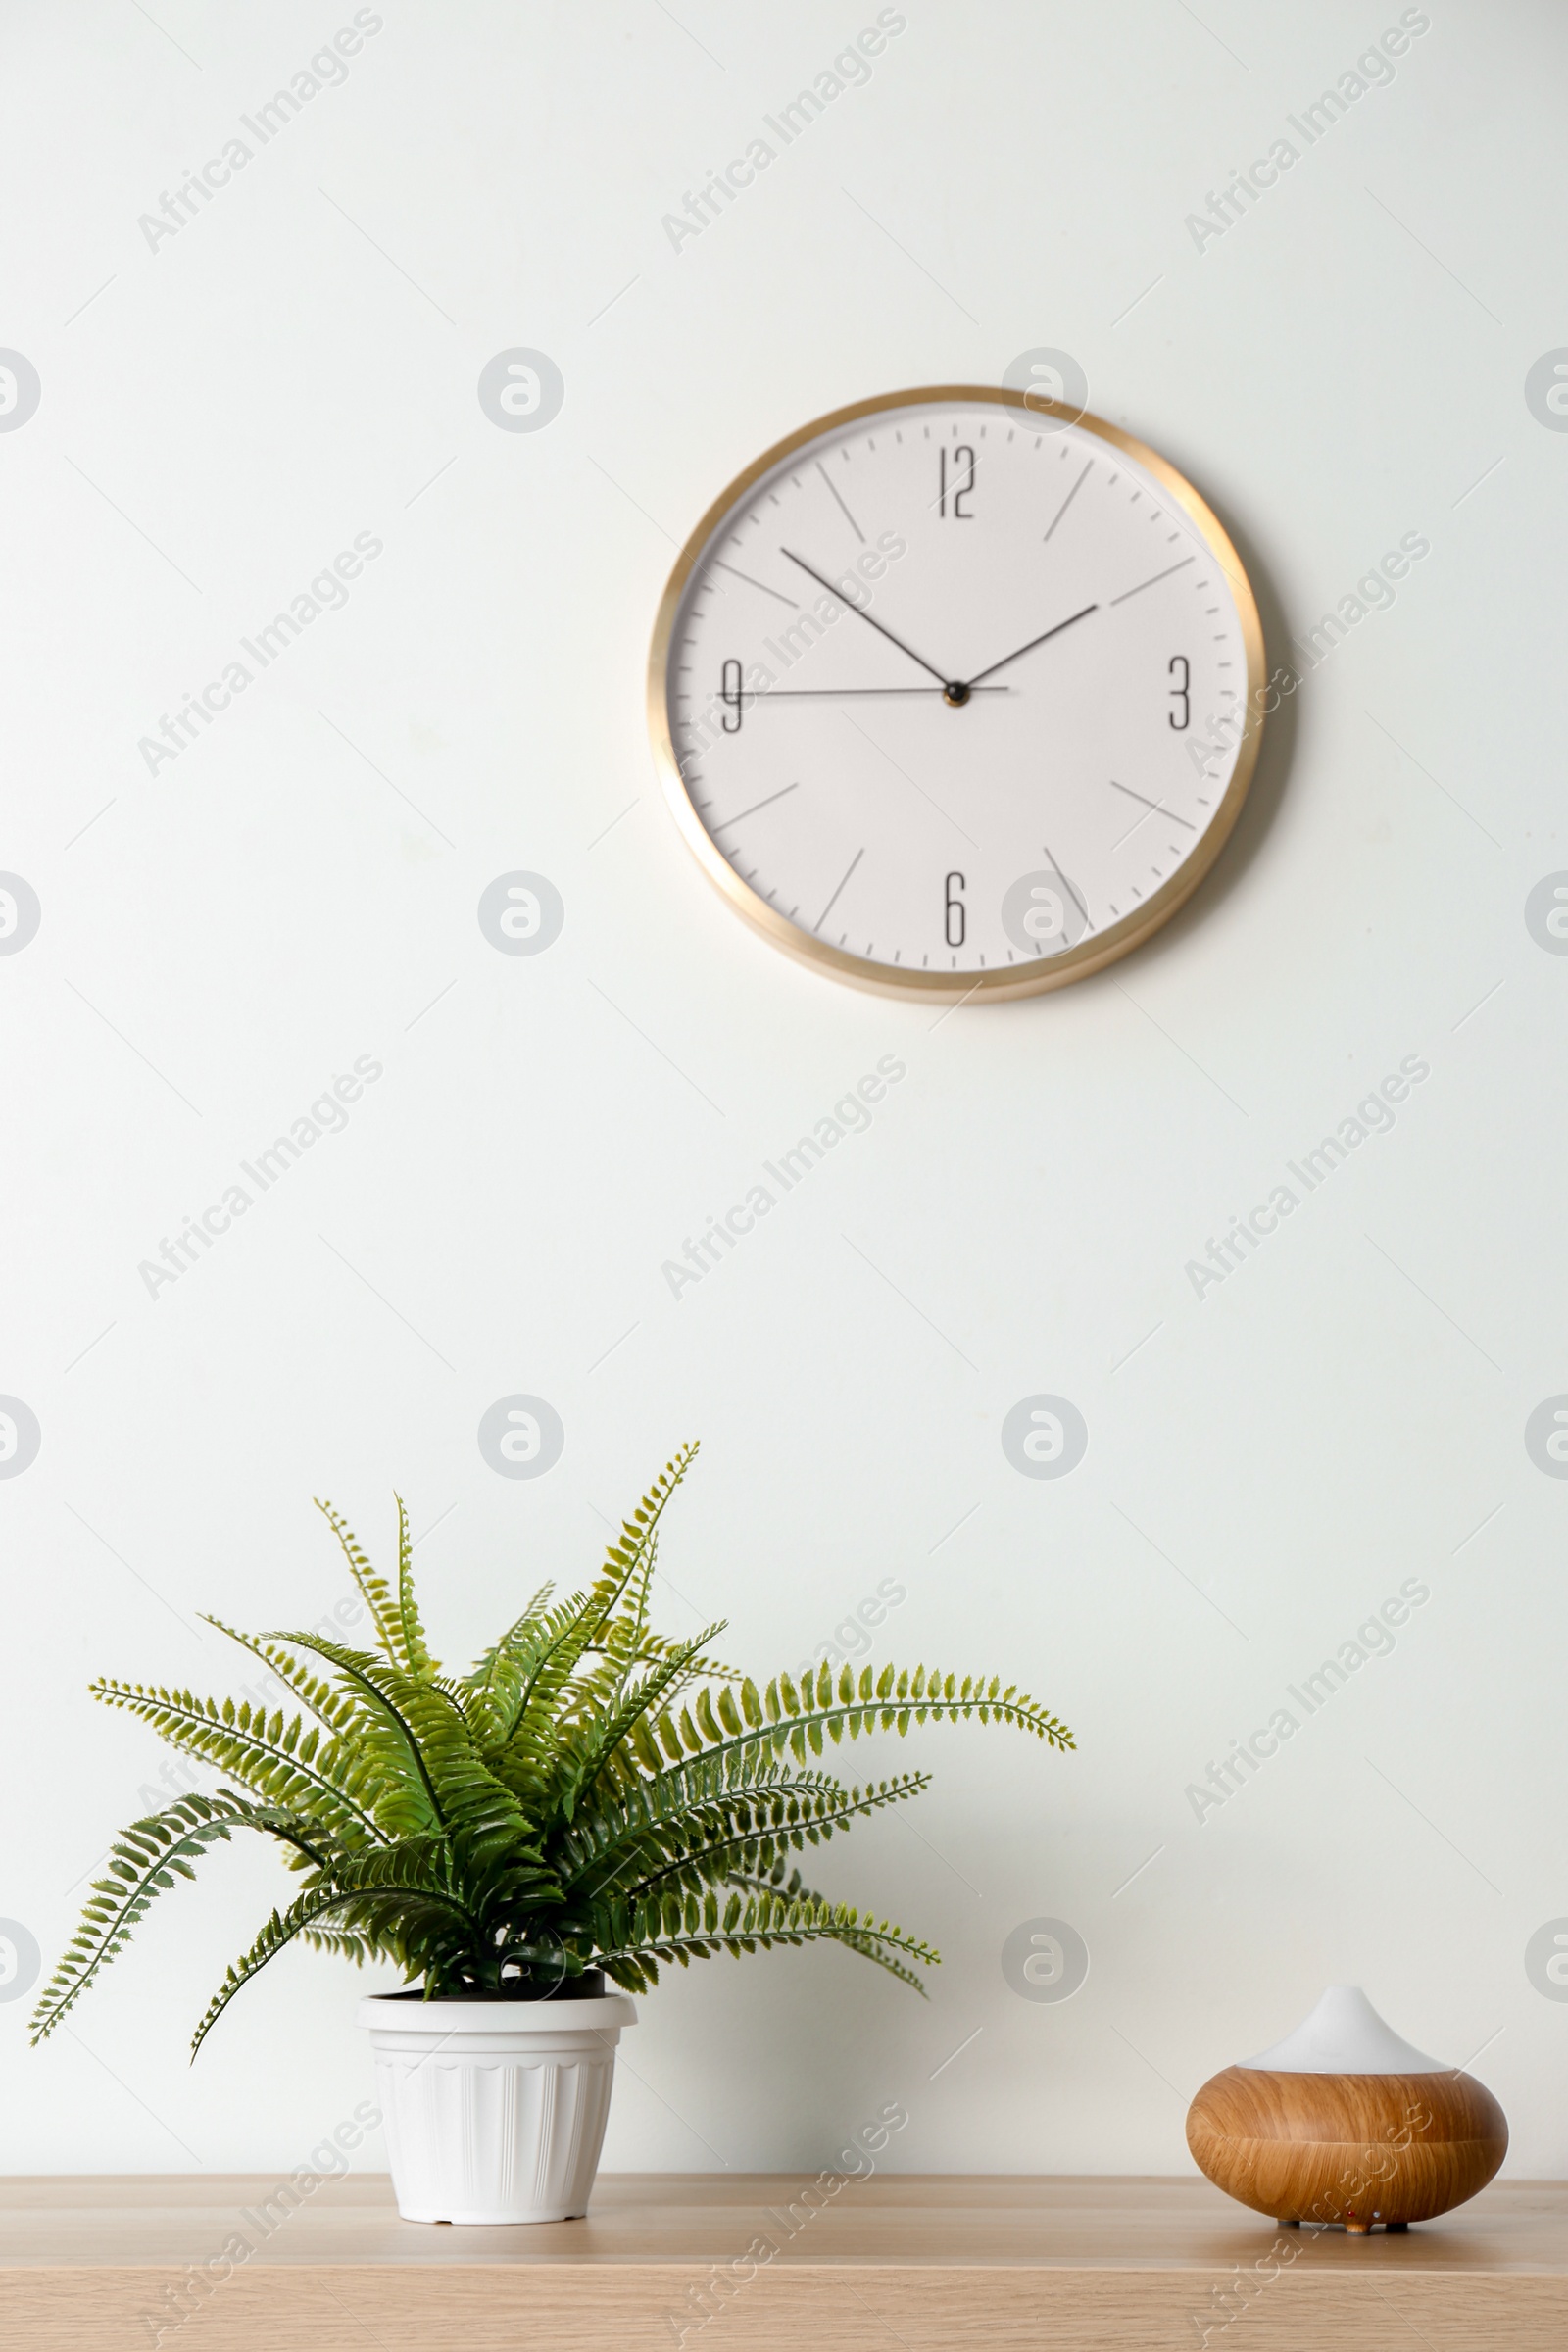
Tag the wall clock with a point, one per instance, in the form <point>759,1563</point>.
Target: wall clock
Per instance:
<point>954,699</point>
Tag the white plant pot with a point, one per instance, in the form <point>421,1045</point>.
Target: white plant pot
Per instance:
<point>494,2111</point>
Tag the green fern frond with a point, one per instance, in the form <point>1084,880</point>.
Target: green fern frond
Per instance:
<point>345,1946</point>
<point>800,1718</point>
<point>732,1837</point>
<point>473,1807</point>
<point>144,1861</point>
<point>653,1820</point>
<point>327,1705</point>
<point>691,1928</point>
<point>280,1929</point>
<point>639,1531</point>
<point>591,1755</point>
<point>415,1656</point>
<point>282,1761</point>
<point>501,1691</point>
<point>383,1898</point>
<point>541,1699</point>
<point>767,1826</point>
<point>384,1727</point>
<point>482,1673</point>
<point>654,1648</point>
<point>375,1590</point>
<point>865,1946</point>
<point>590,1794</point>
<point>885,1955</point>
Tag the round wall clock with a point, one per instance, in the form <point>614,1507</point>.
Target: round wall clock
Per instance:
<point>953,698</point>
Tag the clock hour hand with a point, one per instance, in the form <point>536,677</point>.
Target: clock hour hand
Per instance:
<point>1030,647</point>
<point>940,675</point>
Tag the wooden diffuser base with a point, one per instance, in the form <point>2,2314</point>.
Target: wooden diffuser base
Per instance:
<point>1347,2148</point>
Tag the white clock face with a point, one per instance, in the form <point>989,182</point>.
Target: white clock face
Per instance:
<point>957,700</point>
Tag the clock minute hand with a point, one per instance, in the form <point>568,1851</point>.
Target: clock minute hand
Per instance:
<point>838,594</point>
<point>1030,647</point>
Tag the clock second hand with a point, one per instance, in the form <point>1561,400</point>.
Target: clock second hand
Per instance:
<point>941,677</point>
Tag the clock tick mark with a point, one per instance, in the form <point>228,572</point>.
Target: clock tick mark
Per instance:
<point>834,899</point>
<point>1153,579</point>
<point>843,509</point>
<point>751,583</point>
<point>1071,495</point>
<point>756,804</point>
<point>1066,885</point>
<point>1152,805</point>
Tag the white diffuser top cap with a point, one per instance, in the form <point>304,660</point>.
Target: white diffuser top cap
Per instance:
<point>1344,2035</point>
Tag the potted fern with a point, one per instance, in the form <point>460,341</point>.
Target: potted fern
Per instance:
<point>591,1802</point>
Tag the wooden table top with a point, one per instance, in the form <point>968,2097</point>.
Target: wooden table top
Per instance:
<point>897,2220</point>
<point>673,2263</point>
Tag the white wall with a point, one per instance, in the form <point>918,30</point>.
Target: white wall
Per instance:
<point>297,888</point>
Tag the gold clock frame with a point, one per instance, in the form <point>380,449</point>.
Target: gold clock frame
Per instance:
<point>1091,955</point>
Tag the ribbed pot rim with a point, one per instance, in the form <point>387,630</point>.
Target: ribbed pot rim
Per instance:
<point>522,2021</point>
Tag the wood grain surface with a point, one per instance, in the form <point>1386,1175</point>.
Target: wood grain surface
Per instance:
<point>1353,2150</point>
<point>936,2263</point>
